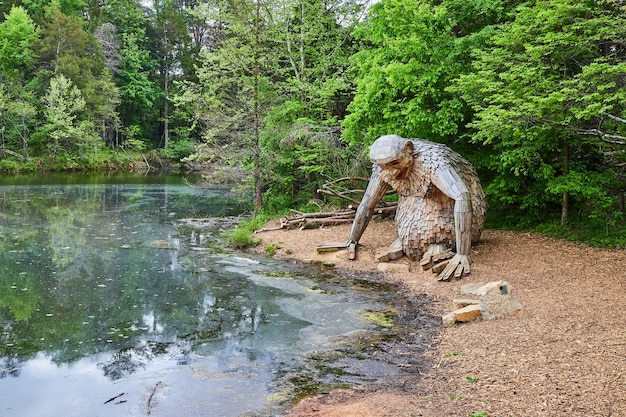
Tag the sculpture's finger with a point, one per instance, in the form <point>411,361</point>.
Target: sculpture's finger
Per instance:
<point>462,268</point>
<point>458,271</point>
<point>466,265</point>
<point>445,275</point>
<point>352,251</point>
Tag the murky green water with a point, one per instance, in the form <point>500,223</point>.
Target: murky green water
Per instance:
<point>114,303</point>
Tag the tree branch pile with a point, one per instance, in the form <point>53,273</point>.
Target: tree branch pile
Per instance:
<point>335,189</point>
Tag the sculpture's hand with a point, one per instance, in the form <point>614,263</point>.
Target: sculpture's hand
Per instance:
<point>458,266</point>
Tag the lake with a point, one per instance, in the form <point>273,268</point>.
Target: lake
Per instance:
<point>118,299</point>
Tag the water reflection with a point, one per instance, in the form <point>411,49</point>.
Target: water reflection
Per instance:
<point>102,293</point>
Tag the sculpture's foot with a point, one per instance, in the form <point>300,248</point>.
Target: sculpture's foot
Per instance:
<point>388,254</point>
<point>436,257</point>
<point>457,267</point>
<point>397,244</point>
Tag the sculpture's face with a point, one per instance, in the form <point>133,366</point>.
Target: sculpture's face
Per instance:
<point>394,155</point>
<point>400,167</point>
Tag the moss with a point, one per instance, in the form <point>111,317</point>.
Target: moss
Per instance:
<point>380,318</point>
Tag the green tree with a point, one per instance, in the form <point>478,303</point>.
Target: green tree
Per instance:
<point>234,87</point>
<point>18,34</point>
<point>17,113</point>
<point>303,134</point>
<point>65,130</point>
<point>274,73</point>
<point>77,55</point>
<point>412,51</point>
<point>39,8</point>
<point>168,27</point>
<point>135,76</point>
<point>548,91</point>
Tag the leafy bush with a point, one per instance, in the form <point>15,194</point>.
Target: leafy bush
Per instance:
<point>179,149</point>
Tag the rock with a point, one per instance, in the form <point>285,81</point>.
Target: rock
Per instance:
<point>449,319</point>
<point>497,300</point>
<point>493,299</point>
<point>468,313</point>
<point>389,267</point>
<point>463,302</point>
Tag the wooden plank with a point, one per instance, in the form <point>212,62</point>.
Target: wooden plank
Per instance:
<point>331,247</point>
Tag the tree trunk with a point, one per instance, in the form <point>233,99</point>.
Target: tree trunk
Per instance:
<point>258,192</point>
<point>24,138</point>
<point>565,203</point>
<point>166,129</point>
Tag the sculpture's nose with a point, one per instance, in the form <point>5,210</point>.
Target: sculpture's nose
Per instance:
<point>398,174</point>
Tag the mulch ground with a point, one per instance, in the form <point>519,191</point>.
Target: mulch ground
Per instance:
<point>564,354</point>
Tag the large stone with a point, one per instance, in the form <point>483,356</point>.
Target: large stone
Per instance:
<point>496,299</point>
<point>493,299</point>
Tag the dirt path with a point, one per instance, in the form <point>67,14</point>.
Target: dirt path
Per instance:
<point>563,355</point>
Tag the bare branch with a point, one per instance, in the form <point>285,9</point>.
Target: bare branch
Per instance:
<point>617,119</point>
<point>604,137</point>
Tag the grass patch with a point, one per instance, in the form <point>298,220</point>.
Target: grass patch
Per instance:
<point>242,236</point>
<point>454,353</point>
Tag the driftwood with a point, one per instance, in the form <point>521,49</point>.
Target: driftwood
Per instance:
<point>149,403</point>
<point>299,220</point>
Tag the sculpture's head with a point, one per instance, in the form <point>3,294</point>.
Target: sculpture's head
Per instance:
<point>393,154</point>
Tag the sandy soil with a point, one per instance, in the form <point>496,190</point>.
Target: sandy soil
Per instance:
<point>563,355</point>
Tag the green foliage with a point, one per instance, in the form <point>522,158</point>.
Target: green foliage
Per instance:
<point>243,235</point>
<point>18,34</point>
<point>535,107</point>
<point>179,149</point>
<point>606,231</point>
<point>271,249</point>
<point>63,106</point>
<point>305,158</point>
<point>417,49</point>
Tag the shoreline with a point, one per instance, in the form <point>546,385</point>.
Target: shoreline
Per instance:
<point>542,361</point>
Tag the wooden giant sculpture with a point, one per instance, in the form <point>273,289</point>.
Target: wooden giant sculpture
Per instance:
<point>441,204</point>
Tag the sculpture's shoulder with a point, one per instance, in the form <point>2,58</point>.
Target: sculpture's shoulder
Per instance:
<point>436,154</point>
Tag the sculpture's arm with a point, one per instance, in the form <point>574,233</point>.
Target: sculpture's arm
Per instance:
<point>376,189</point>
<point>450,183</point>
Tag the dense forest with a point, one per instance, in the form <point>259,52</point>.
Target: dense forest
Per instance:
<point>285,95</point>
